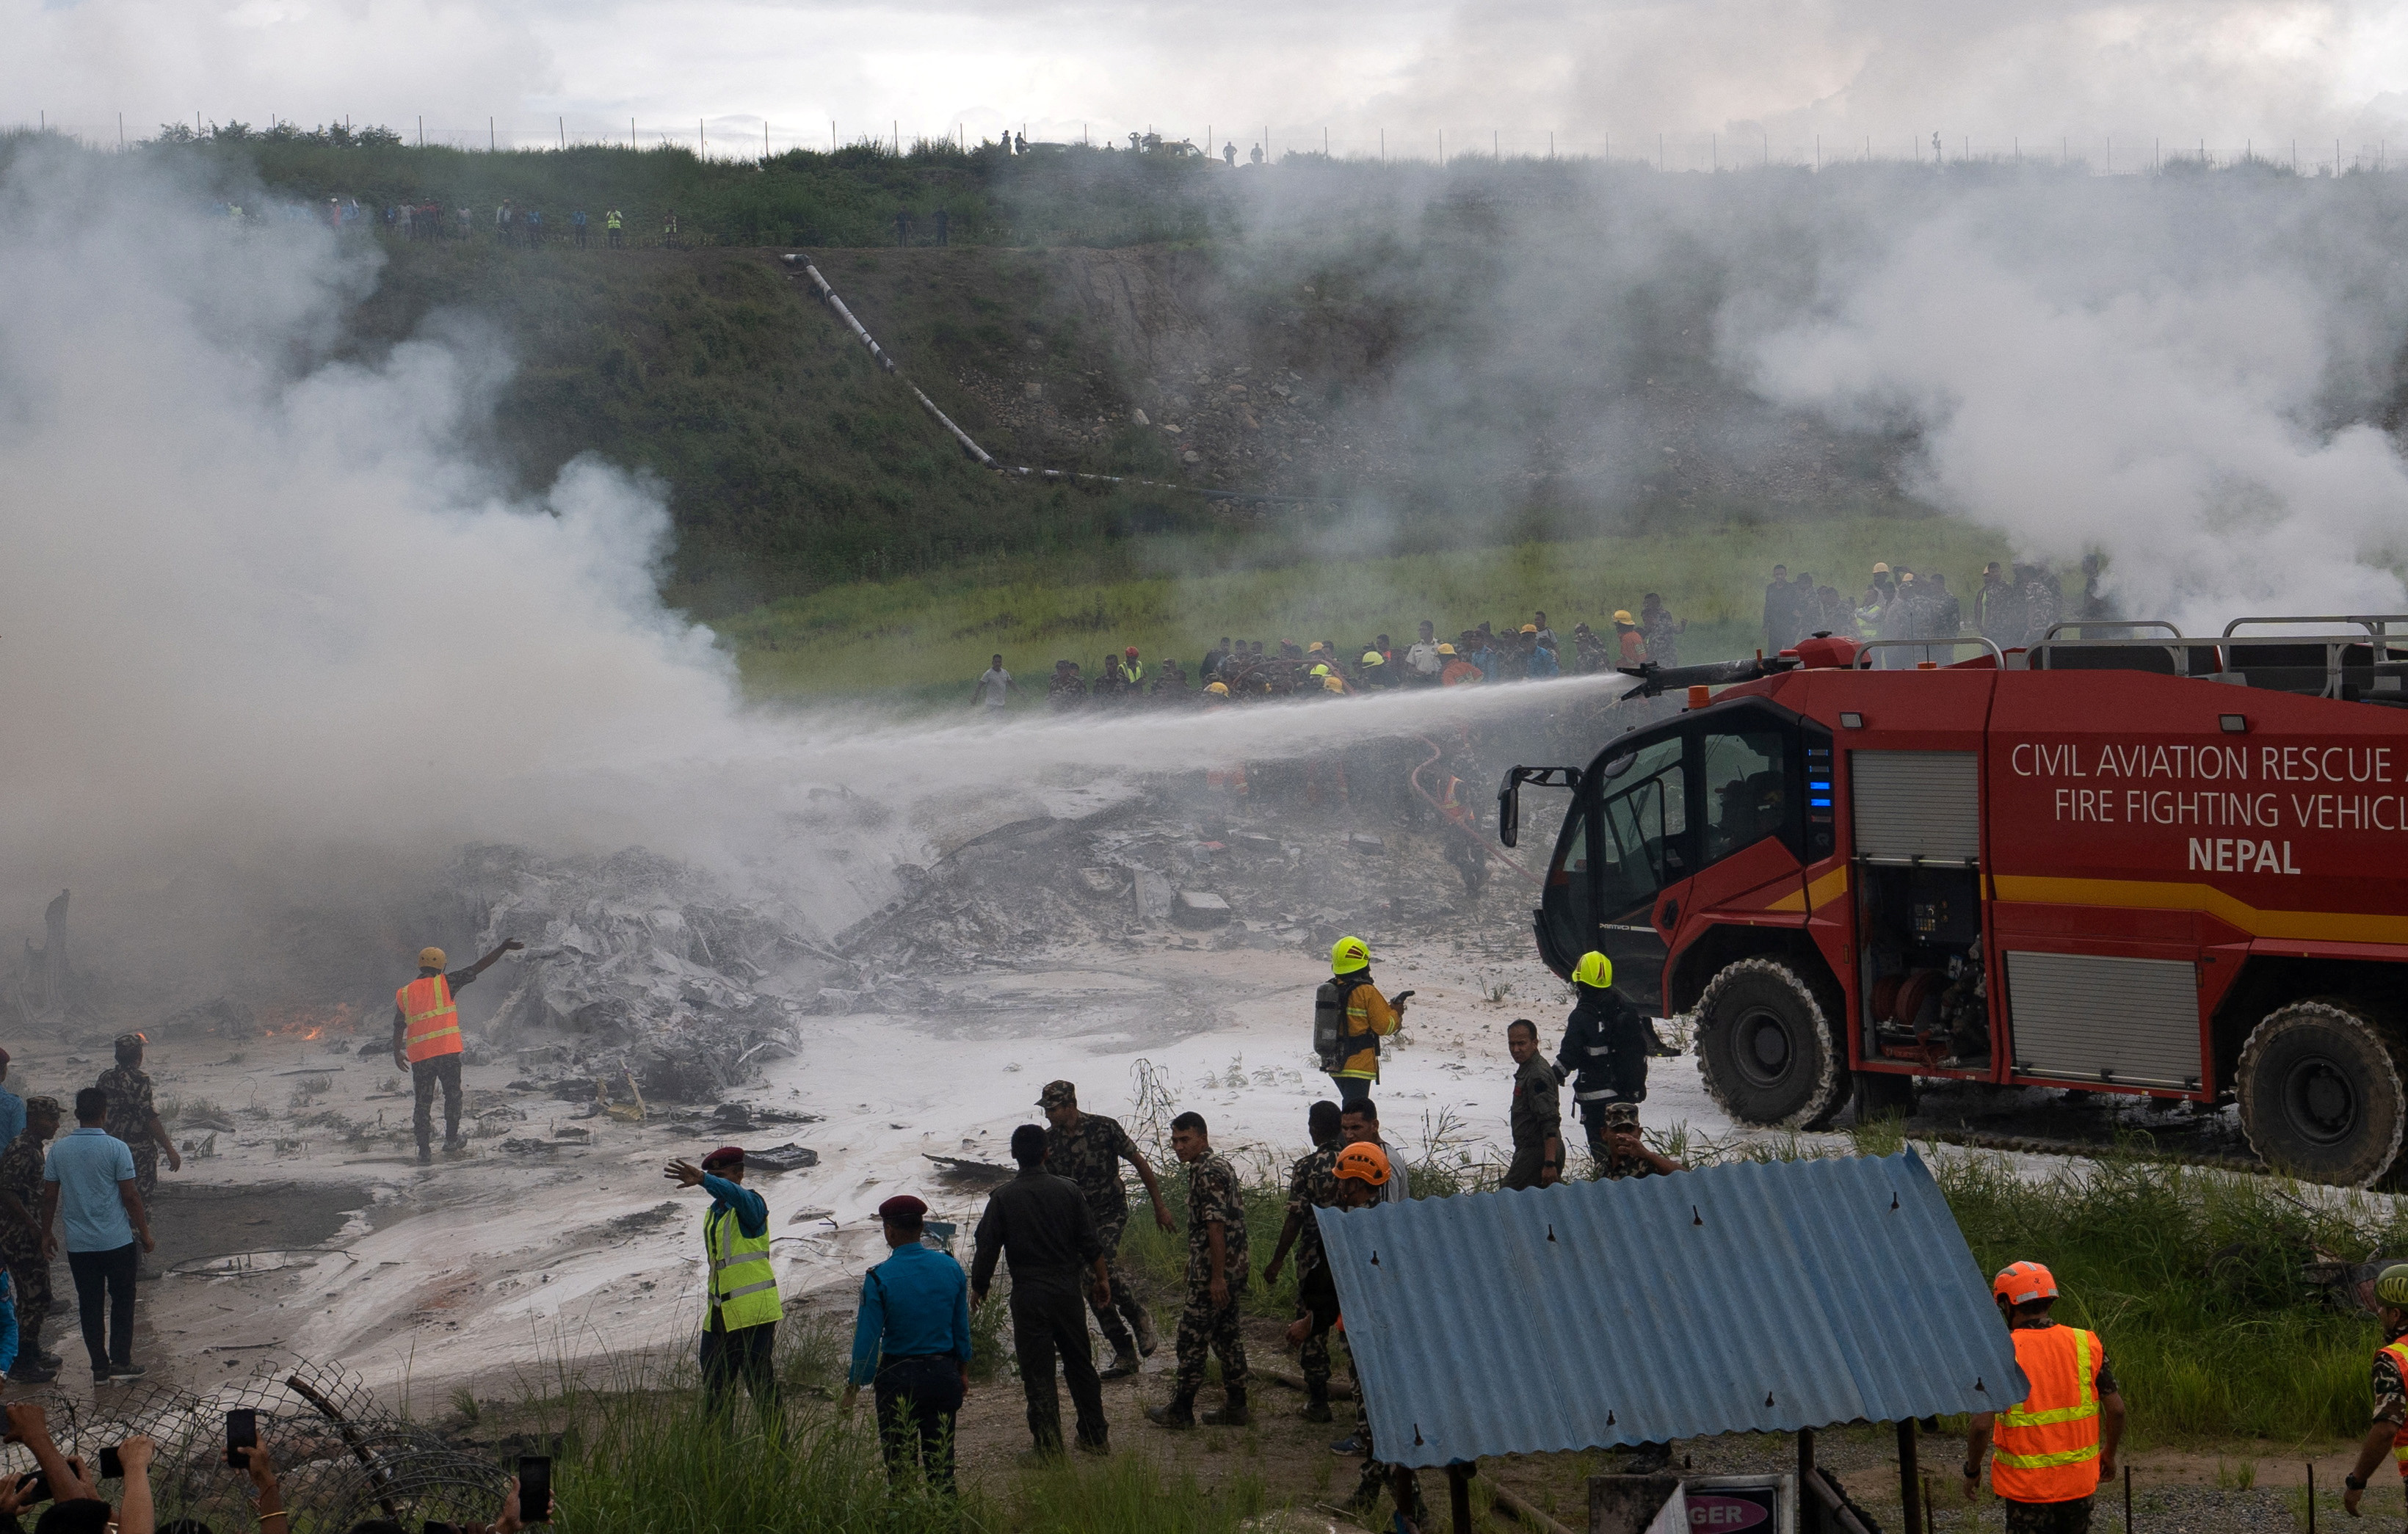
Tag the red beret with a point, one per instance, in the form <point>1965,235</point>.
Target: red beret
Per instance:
<point>902,1207</point>
<point>723,1156</point>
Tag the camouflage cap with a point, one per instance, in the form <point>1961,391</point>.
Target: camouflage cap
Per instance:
<point>1621,1115</point>
<point>127,1043</point>
<point>42,1105</point>
<point>1058,1094</point>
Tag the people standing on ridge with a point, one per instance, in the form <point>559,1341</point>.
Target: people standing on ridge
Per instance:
<point>89,1179</point>
<point>1040,1221</point>
<point>1229,153</point>
<point>1217,1270</point>
<point>740,1306</point>
<point>993,687</point>
<point>1065,691</point>
<point>912,1346</point>
<point>1423,662</point>
<point>2388,1438</point>
<point>1348,1039</point>
<point>613,228</point>
<point>1604,1051</point>
<point>20,1237</point>
<point>2055,1446</point>
<point>426,1043</point>
<point>1312,1184</point>
<point>577,225</point>
<point>1537,1118</point>
<point>1088,1149</point>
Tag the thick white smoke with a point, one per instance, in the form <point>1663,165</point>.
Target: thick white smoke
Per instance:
<point>2179,376</point>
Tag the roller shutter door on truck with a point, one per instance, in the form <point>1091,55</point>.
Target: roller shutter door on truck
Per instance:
<point>1912,806</point>
<point>2090,1018</point>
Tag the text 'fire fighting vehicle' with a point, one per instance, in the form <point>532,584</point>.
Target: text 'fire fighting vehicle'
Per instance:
<point>2169,866</point>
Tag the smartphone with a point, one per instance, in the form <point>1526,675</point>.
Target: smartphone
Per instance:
<point>534,1488</point>
<point>33,1488</point>
<point>111,1467</point>
<point>242,1432</point>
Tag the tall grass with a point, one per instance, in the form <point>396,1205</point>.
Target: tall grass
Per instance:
<point>937,631</point>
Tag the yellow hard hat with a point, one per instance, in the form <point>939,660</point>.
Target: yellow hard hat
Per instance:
<point>1333,684</point>
<point>1372,657</point>
<point>1530,628</point>
<point>1593,970</point>
<point>1622,615</point>
<point>1314,646</point>
<point>1220,687</point>
<point>1881,569</point>
<point>430,959</point>
<point>1349,955</point>
<point>2392,1286</point>
<point>1321,671</point>
<point>1446,650</point>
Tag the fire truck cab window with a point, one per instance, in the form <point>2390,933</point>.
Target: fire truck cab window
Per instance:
<point>1746,777</point>
<point>1641,842</point>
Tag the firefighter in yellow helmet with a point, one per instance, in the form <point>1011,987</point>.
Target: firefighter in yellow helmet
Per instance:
<point>1604,1051</point>
<point>2057,1444</point>
<point>1369,1017</point>
<point>2389,1434</point>
<point>426,1042</point>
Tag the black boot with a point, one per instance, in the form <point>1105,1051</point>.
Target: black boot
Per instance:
<point>1316,1400</point>
<point>1233,1410</point>
<point>1181,1413</point>
<point>32,1368</point>
<point>30,1345</point>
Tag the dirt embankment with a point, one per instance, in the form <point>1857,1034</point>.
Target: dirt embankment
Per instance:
<point>1242,370</point>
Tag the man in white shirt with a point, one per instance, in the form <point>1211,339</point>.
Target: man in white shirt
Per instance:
<point>1423,662</point>
<point>994,686</point>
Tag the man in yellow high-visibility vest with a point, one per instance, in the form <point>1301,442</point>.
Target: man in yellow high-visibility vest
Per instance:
<point>740,1323</point>
<point>426,1042</point>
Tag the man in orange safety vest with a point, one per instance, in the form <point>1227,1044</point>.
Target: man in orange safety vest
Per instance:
<point>426,1042</point>
<point>2389,1437</point>
<point>2057,1444</point>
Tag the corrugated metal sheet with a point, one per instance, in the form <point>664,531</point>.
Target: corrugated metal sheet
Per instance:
<point>1911,804</point>
<point>1740,1298</point>
<point>2095,1017</point>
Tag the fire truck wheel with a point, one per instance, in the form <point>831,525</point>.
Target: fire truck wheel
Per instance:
<point>1766,1046</point>
<point>2321,1093</point>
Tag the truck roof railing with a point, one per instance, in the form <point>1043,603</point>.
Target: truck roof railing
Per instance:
<point>1869,646</point>
<point>2316,665</point>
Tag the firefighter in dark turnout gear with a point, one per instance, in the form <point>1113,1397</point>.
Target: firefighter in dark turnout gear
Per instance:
<point>1605,1049</point>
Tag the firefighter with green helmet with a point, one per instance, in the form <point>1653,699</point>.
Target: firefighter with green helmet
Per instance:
<point>1604,1051</point>
<point>2389,1434</point>
<point>1349,1017</point>
<point>739,1326</point>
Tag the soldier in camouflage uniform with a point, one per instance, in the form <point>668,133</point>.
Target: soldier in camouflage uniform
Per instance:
<point>1216,1279</point>
<point>1312,1184</point>
<point>20,1237</point>
<point>1088,1149</point>
<point>133,1117</point>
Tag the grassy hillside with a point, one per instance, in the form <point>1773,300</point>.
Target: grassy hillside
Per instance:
<point>931,635</point>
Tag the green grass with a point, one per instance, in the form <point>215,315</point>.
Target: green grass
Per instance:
<point>935,632</point>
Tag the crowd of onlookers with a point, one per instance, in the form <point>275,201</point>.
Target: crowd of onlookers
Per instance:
<point>2013,606</point>
<point>508,225</point>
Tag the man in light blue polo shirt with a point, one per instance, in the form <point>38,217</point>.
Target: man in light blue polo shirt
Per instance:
<point>90,1179</point>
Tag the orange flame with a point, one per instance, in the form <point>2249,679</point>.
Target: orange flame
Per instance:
<point>307,1023</point>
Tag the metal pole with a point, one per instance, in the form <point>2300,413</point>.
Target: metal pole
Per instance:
<point>1810,1510</point>
<point>2312,1497</point>
<point>2127,1499</point>
<point>563,130</point>
<point>492,143</point>
<point>1909,1482</point>
<point>1458,1497</point>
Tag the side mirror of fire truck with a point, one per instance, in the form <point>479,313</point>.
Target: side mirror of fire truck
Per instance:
<point>1509,796</point>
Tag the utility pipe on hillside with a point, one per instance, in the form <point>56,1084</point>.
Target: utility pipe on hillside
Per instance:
<point>827,297</point>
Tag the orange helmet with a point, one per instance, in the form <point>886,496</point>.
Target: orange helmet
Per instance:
<point>1130,652</point>
<point>1364,1164</point>
<point>2023,1283</point>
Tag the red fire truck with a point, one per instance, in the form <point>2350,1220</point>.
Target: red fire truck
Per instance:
<point>2117,863</point>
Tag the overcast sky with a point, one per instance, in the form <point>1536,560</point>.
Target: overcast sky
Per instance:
<point>1728,78</point>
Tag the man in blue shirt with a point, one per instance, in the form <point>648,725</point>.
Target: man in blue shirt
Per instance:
<point>912,1340</point>
<point>739,1328</point>
<point>12,1108</point>
<point>90,1179</point>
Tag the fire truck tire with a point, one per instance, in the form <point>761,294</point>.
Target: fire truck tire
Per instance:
<point>2323,1090</point>
<point>1769,1046</point>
